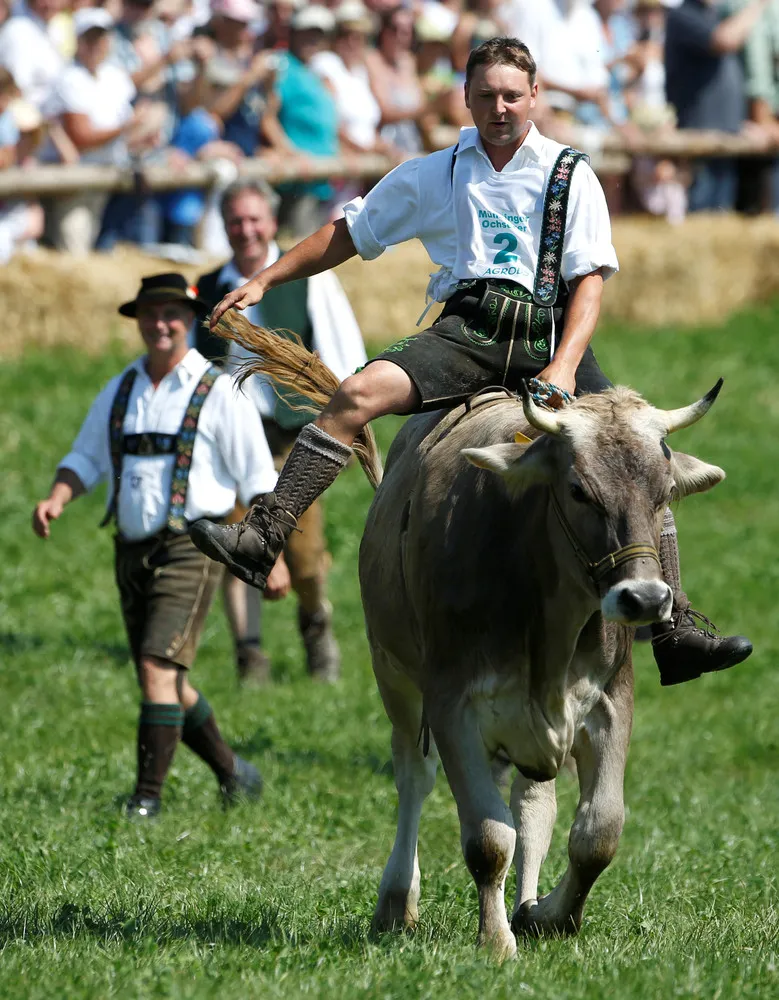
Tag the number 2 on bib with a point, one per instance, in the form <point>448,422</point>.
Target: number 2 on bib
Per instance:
<point>506,255</point>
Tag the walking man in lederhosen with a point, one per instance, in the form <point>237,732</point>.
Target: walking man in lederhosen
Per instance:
<point>521,231</point>
<point>175,443</point>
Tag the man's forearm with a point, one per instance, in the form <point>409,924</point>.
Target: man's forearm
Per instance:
<point>327,247</point>
<point>66,486</point>
<point>730,34</point>
<point>581,318</point>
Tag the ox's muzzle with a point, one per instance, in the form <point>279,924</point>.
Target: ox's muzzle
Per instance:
<point>637,602</point>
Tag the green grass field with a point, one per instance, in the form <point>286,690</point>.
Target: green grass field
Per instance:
<point>275,900</point>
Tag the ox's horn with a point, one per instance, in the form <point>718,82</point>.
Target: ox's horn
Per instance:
<point>542,420</point>
<point>677,419</point>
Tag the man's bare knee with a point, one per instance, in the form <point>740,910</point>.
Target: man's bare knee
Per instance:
<point>157,678</point>
<point>379,389</point>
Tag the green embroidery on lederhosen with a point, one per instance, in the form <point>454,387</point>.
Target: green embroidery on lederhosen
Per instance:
<point>477,334</point>
<point>185,445</point>
<point>116,436</point>
<point>399,346</point>
<point>550,249</point>
<point>536,343</point>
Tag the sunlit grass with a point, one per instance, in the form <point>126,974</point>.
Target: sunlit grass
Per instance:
<point>275,900</point>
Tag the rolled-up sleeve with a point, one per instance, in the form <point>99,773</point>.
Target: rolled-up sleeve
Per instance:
<point>587,246</point>
<point>388,214</point>
<point>90,456</point>
<point>242,444</point>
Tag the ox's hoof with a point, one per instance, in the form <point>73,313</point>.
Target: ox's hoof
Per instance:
<point>395,911</point>
<point>533,919</point>
<point>502,945</point>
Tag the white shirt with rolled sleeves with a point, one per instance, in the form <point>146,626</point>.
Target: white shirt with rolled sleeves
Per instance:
<point>230,456</point>
<point>464,219</point>
<point>336,334</point>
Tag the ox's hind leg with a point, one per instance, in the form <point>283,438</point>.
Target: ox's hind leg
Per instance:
<point>415,773</point>
<point>534,807</point>
<point>486,826</point>
<point>600,749</point>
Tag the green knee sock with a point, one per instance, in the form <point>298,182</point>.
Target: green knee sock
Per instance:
<point>159,730</point>
<point>201,734</point>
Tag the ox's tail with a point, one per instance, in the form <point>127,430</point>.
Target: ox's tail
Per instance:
<point>288,363</point>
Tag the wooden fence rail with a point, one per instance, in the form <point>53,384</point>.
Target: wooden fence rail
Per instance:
<point>610,154</point>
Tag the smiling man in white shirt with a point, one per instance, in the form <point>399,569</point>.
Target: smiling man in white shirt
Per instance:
<point>175,443</point>
<point>319,313</point>
<point>521,231</point>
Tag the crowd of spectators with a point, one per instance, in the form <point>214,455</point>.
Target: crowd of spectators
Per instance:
<point>139,82</point>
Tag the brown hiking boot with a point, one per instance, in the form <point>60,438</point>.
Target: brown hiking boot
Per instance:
<point>253,664</point>
<point>323,657</point>
<point>251,547</point>
<point>689,645</point>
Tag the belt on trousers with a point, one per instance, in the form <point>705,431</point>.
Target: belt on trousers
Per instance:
<point>503,302</point>
<point>163,535</point>
<point>149,443</point>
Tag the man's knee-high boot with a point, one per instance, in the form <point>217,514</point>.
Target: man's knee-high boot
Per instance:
<point>689,644</point>
<point>250,548</point>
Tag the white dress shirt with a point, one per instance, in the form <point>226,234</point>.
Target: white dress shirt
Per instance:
<point>230,456</point>
<point>462,220</point>
<point>336,335</point>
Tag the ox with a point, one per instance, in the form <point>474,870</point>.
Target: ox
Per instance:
<point>501,581</point>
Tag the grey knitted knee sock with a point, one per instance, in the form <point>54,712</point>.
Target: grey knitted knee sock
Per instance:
<point>311,466</point>
<point>669,559</point>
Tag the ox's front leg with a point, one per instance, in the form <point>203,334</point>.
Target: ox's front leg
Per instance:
<point>600,749</point>
<point>486,827</point>
<point>397,906</point>
<point>534,807</point>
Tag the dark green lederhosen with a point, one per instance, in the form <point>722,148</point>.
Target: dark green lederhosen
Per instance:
<point>489,333</point>
<point>166,587</point>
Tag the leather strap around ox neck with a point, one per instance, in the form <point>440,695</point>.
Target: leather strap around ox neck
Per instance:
<point>597,570</point>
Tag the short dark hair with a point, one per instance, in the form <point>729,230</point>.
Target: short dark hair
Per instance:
<point>259,187</point>
<point>502,52</point>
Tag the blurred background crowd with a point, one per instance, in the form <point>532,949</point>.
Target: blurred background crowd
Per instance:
<point>136,83</point>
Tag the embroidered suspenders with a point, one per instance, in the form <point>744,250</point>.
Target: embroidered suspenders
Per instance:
<point>550,250</point>
<point>184,447</point>
<point>115,436</point>
<point>151,443</point>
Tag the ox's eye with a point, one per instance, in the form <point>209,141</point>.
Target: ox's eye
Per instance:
<point>666,449</point>
<point>577,493</point>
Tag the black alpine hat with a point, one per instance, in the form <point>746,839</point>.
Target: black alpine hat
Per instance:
<point>166,288</point>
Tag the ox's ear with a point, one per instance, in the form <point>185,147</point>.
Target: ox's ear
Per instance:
<point>691,475</point>
<point>495,458</point>
<point>521,466</point>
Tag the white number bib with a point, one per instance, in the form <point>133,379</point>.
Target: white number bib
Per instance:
<point>498,218</point>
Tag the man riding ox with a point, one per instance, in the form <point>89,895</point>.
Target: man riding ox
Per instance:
<point>519,226</point>
<point>518,575</point>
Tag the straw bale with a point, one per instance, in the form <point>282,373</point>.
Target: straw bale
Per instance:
<point>52,299</point>
<point>699,272</point>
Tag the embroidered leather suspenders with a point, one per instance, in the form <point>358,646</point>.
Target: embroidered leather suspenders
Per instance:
<point>550,249</point>
<point>152,443</point>
<point>185,444</point>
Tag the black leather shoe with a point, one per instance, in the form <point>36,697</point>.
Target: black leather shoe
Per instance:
<point>250,548</point>
<point>139,807</point>
<point>323,657</point>
<point>689,645</point>
<point>253,665</point>
<point>244,783</point>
